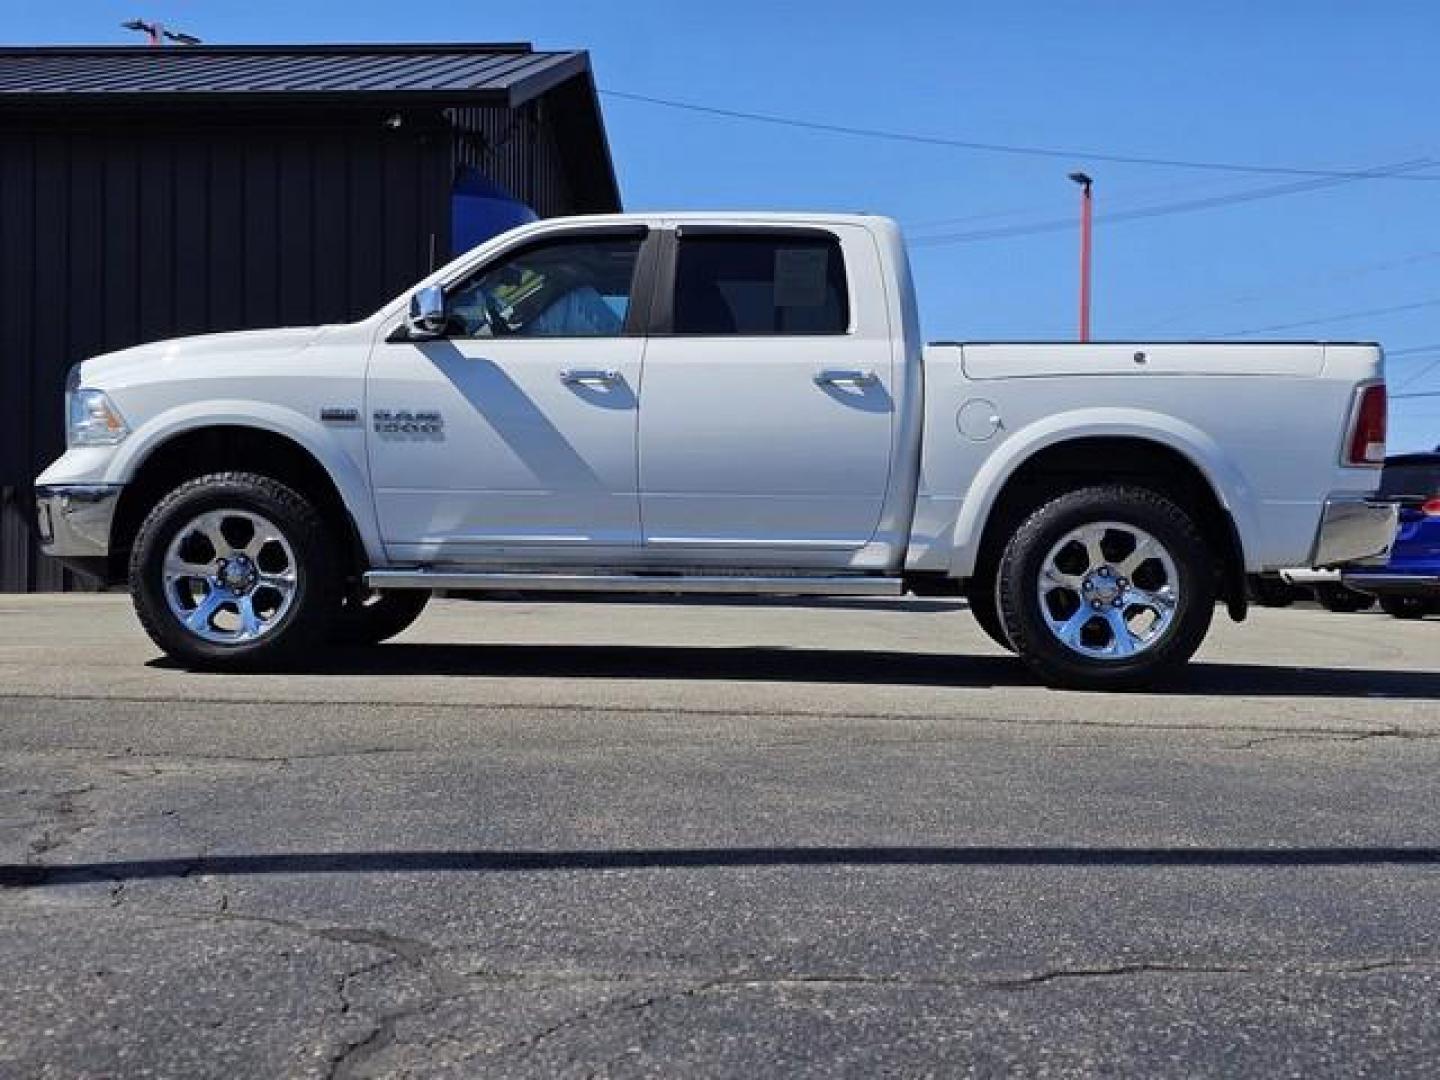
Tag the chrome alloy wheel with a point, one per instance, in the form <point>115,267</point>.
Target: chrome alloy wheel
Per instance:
<point>1108,590</point>
<point>230,576</point>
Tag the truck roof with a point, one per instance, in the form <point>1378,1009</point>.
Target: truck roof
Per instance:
<point>1160,341</point>
<point>727,217</point>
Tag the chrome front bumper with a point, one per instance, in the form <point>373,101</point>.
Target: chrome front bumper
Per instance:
<point>74,519</point>
<point>1355,531</point>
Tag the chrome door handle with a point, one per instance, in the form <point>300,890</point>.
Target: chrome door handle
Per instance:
<point>589,377</point>
<point>845,378</point>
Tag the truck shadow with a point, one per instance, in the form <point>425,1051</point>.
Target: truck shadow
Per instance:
<point>755,663</point>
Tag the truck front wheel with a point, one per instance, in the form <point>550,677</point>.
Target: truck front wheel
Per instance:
<point>1107,587</point>
<point>235,571</point>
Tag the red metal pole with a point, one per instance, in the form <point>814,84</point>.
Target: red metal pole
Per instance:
<point>1085,215</point>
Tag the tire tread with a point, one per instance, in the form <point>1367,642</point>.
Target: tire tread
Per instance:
<point>307,530</point>
<point>1046,656</point>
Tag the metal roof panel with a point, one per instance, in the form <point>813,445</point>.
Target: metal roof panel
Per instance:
<point>509,71</point>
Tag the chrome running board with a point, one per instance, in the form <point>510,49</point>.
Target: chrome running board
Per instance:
<point>795,585</point>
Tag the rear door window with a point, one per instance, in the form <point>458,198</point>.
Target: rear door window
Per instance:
<point>754,284</point>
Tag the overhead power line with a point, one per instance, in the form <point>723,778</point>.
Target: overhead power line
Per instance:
<point>1316,179</point>
<point>1292,284</point>
<point>1071,155</point>
<point>1413,306</point>
<point>1212,202</point>
<point>1112,191</point>
<point>1324,178</point>
<point>1417,376</point>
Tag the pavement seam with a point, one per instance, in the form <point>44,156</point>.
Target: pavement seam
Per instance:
<point>109,754</point>
<point>733,714</point>
<point>379,1031</point>
<point>416,953</point>
<point>1359,967</point>
<point>1336,736</point>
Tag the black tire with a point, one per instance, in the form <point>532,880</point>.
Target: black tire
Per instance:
<point>1339,598</point>
<point>1407,607</point>
<point>298,631</point>
<point>372,616</point>
<point>1057,663</point>
<point>980,596</point>
<point>1273,592</point>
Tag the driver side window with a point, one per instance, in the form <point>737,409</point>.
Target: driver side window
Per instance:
<point>578,287</point>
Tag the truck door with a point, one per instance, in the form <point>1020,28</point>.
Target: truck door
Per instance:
<point>767,406</point>
<point>513,435</point>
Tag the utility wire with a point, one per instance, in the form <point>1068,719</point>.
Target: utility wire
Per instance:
<point>1165,209</point>
<point>1112,191</point>
<point>1291,285</point>
<point>1415,305</point>
<point>996,148</point>
<point>1415,378</point>
<point>1321,178</point>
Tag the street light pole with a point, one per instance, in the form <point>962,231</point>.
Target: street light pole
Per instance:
<point>1086,208</point>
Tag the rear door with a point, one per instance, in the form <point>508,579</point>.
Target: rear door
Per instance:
<point>767,403</point>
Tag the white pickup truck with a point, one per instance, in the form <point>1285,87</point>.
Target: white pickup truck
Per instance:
<point>733,403</point>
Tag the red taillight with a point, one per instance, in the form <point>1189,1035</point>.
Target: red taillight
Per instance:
<point>1431,508</point>
<point>1367,437</point>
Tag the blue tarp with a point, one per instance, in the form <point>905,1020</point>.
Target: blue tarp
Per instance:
<point>480,209</point>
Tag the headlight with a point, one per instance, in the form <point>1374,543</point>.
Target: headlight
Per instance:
<point>92,420</point>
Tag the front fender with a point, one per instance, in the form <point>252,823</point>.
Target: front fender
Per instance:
<point>324,444</point>
<point>1219,470</point>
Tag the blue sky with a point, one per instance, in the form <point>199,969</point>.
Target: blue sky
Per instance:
<point>1323,84</point>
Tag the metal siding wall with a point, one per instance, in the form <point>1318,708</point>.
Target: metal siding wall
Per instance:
<point>553,197</point>
<point>51,315</point>
<point>120,231</point>
<point>519,151</point>
<point>329,226</point>
<point>17,346</point>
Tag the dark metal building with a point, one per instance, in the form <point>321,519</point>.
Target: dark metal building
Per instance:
<point>148,193</point>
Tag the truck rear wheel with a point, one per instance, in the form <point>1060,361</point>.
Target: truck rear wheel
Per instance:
<point>1342,599</point>
<point>371,616</point>
<point>235,571</point>
<point>1108,587</point>
<point>1408,607</point>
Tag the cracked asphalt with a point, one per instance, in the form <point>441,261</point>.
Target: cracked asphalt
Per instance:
<point>622,839</point>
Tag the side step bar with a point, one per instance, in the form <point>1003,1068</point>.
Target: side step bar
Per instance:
<point>841,585</point>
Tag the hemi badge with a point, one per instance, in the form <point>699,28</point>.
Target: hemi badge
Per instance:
<point>339,416</point>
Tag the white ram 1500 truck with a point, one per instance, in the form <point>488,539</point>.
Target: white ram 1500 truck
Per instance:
<point>735,403</point>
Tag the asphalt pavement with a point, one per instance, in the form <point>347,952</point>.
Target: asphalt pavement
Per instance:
<point>716,839</point>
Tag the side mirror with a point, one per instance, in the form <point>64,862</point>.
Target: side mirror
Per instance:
<point>427,318</point>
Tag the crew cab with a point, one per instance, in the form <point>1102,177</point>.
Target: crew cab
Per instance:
<point>736,403</point>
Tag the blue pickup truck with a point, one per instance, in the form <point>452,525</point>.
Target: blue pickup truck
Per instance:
<point>1408,585</point>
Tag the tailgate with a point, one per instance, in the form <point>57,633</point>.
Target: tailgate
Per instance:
<point>1041,360</point>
